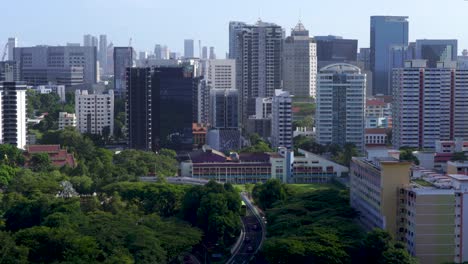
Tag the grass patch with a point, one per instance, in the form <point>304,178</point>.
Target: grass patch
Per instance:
<point>423,182</point>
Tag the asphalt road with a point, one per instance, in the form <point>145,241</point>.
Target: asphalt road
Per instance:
<point>253,237</point>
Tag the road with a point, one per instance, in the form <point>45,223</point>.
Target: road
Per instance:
<point>254,234</point>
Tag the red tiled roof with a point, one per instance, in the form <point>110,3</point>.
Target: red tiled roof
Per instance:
<point>59,157</point>
<point>375,102</point>
<point>42,148</point>
<point>376,130</point>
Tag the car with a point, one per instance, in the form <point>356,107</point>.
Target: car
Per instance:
<point>249,249</point>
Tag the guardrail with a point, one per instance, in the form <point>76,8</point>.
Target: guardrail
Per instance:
<point>254,210</point>
<point>238,244</point>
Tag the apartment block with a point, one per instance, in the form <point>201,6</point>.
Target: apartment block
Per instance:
<point>94,112</point>
<point>66,120</point>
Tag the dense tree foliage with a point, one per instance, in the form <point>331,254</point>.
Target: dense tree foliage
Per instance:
<point>257,144</point>
<point>459,156</point>
<point>267,194</point>
<point>406,154</point>
<point>318,227</point>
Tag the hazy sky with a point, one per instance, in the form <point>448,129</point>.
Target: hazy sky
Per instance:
<point>169,22</point>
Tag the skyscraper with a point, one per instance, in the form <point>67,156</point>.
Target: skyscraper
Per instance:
<point>123,58</point>
<point>436,50</point>
<point>13,115</point>
<point>258,64</point>
<point>160,107</point>
<point>335,49</point>
<point>103,53</point>
<point>340,105</point>
<point>212,53</point>
<point>157,52</point>
<point>385,31</point>
<point>281,120</point>
<point>12,43</point>
<point>429,104</point>
<point>224,108</point>
<point>188,48</point>
<point>90,41</point>
<point>234,28</point>
<point>300,63</point>
<point>204,53</point>
<point>221,74</point>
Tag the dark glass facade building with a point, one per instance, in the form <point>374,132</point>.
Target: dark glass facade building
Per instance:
<point>436,50</point>
<point>160,107</point>
<point>336,49</point>
<point>123,58</point>
<point>385,33</point>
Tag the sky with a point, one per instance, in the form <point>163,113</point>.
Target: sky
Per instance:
<point>150,22</point>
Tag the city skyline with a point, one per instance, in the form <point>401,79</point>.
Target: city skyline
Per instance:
<point>125,19</point>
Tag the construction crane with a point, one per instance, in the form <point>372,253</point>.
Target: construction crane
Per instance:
<point>4,51</point>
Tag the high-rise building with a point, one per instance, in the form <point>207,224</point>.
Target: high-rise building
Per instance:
<point>336,49</point>
<point>160,107</point>
<point>12,44</point>
<point>221,74</point>
<point>13,114</point>
<point>436,50</point>
<point>300,63</point>
<point>224,108</point>
<point>204,53</point>
<point>68,65</point>
<point>103,53</point>
<point>385,31</point>
<point>234,28</point>
<point>123,58</point>
<point>340,105</point>
<point>429,104</point>
<point>66,120</point>
<point>158,52</point>
<point>94,112</point>
<point>281,120</point>
<point>364,58</point>
<point>189,48</point>
<point>212,54</point>
<point>258,64</point>
<point>9,71</point>
<point>90,41</point>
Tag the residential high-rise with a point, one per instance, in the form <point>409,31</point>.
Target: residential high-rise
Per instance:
<point>258,64</point>
<point>68,65</point>
<point>221,74</point>
<point>212,54</point>
<point>234,28</point>
<point>336,49</point>
<point>9,71</point>
<point>189,48</point>
<point>90,41</point>
<point>66,120</point>
<point>103,53</point>
<point>123,58</point>
<point>429,104</point>
<point>94,112</point>
<point>12,44</point>
<point>160,107</point>
<point>436,50</point>
<point>385,31</point>
<point>281,120</point>
<point>204,53</point>
<point>13,114</point>
<point>340,105</point>
<point>300,63</point>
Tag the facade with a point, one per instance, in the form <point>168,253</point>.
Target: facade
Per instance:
<point>336,49</point>
<point>374,185</point>
<point>9,71</point>
<point>123,58</point>
<point>68,65</point>
<point>377,108</point>
<point>340,105</point>
<point>234,28</point>
<point>221,74</point>
<point>386,31</point>
<point>161,103</point>
<point>281,120</point>
<point>376,136</point>
<point>212,54</point>
<point>224,139</point>
<point>260,126</point>
<point>53,88</point>
<point>66,120</point>
<point>204,55</point>
<point>199,135</point>
<point>188,48</point>
<point>436,50</point>
<point>224,108</point>
<point>94,112</point>
<point>364,58</point>
<point>13,112</point>
<point>258,64</point>
<point>311,168</point>
<point>430,104</point>
<point>300,63</point>
<point>90,41</point>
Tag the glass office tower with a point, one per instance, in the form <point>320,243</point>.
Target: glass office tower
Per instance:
<point>386,32</point>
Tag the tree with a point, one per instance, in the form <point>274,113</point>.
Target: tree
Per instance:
<point>267,194</point>
<point>459,156</point>
<point>11,155</point>
<point>82,184</point>
<point>6,175</point>
<point>406,154</point>
<point>10,252</point>
<point>349,151</point>
<point>40,162</point>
